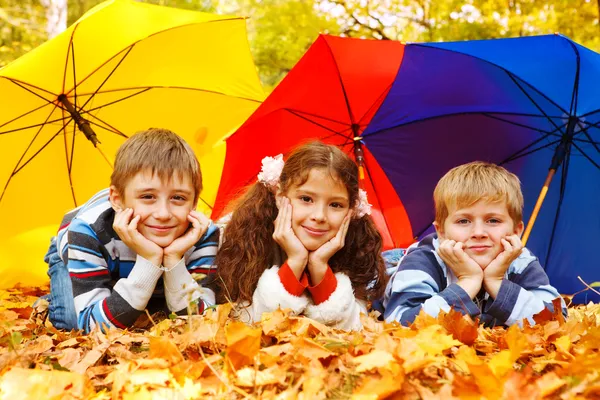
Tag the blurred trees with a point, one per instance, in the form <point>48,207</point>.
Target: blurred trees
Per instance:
<point>280,31</point>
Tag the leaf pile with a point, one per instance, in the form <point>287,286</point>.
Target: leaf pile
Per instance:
<point>287,357</point>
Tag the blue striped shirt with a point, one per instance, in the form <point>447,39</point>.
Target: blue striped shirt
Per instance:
<point>423,282</point>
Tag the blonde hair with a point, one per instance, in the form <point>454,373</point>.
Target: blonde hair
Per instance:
<point>466,184</point>
<point>160,151</point>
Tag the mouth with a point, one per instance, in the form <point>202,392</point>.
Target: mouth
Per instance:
<point>479,248</point>
<point>315,232</point>
<point>159,229</point>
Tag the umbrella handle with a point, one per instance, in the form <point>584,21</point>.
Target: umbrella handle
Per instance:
<point>538,205</point>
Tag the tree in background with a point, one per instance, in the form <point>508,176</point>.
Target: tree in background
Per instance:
<point>280,31</point>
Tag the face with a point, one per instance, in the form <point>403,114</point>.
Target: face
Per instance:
<point>163,206</point>
<point>318,208</point>
<point>480,227</point>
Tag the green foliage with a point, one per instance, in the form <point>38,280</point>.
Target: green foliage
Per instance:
<point>280,31</point>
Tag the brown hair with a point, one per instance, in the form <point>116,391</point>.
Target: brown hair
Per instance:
<point>466,184</point>
<point>249,249</point>
<point>160,151</point>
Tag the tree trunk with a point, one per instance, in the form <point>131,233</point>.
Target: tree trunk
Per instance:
<point>56,16</point>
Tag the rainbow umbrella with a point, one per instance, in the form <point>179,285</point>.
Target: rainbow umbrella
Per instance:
<point>530,104</point>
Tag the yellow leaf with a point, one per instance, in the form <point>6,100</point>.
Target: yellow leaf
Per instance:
<point>434,341</point>
<point>309,350</point>
<point>375,359</point>
<point>35,384</point>
<point>466,355</point>
<point>563,344</point>
<point>501,363</point>
<point>379,388</point>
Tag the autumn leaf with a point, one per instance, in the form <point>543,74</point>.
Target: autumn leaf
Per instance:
<point>162,347</point>
<point>460,326</point>
<point>243,343</point>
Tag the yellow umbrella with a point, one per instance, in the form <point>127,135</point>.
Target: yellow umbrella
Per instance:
<point>124,66</point>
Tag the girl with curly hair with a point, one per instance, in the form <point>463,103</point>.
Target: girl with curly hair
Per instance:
<point>302,238</point>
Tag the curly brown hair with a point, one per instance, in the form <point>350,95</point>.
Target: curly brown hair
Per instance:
<point>249,249</point>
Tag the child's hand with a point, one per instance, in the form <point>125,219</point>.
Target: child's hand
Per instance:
<point>468,272</point>
<point>174,252</point>
<point>126,227</point>
<point>318,259</point>
<point>494,273</point>
<point>285,237</point>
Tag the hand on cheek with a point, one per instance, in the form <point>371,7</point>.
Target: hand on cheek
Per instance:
<point>126,226</point>
<point>318,260</point>
<point>468,272</point>
<point>494,272</point>
<point>284,236</point>
<point>174,252</point>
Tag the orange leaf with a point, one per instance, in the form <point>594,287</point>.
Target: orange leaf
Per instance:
<point>162,347</point>
<point>243,343</point>
<point>460,326</point>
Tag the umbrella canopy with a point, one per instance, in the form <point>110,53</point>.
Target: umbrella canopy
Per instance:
<point>123,67</point>
<point>331,95</point>
<point>530,104</point>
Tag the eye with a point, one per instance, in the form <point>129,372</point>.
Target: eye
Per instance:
<point>338,205</point>
<point>305,199</point>
<point>146,196</point>
<point>463,221</point>
<point>179,198</point>
<point>494,221</point>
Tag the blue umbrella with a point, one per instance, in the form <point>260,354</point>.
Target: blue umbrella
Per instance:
<point>531,104</point>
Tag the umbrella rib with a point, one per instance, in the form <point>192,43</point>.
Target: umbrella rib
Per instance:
<point>22,86</point>
<point>317,116</point>
<point>34,125</point>
<point>70,161</point>
<point>314,122</point>
<point>337,69</point>
<point>497,66</point>
<point>38,152</point>
<point>107,126</point>
<point>384,130</point>
<point>378,102</point>
<point>574,96</point>
<point>24,115</point>
<point>585,132</point>
<point>74,75</point>
<point>585,155</point>
<point>17,169</point>
<point>519,124</point>
<point>563,185</point>
<point>116,101</point>
<point>129,47</point>
<point>519,154</point>
<point>514,79</point>
<point>107,78</point>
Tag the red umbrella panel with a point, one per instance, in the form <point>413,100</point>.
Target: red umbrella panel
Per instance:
<point>330,95</point>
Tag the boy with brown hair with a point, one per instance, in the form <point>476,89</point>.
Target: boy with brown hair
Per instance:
<point>475,261</point>
<point>134,246</point>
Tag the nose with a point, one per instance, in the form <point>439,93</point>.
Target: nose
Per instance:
<point>162,210</point>
<point>478,230</point>
<point>319,212</point>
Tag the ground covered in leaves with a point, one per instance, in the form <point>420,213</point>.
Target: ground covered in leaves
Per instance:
<point>288,357</point>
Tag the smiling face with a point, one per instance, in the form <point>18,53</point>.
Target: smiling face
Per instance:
<point>163,206</point>
<point>480,227</point>
<point>318,208</point>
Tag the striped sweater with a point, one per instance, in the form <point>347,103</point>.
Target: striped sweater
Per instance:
<point>423,281</point>
<point>112,285</point>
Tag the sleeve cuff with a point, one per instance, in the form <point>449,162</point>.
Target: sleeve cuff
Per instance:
<point>325,288</point>
<point>290,282</point>
<point>505,301</point>
<point>456,297</point>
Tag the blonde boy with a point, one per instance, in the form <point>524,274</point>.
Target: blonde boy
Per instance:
<point>134,246</point>
<point>475,261</point>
